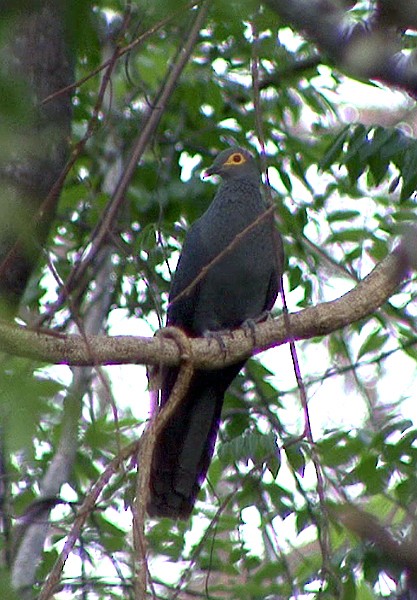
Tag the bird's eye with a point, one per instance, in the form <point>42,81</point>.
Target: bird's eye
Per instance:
<point>236,158</point>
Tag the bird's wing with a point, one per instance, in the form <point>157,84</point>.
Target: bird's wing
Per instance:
<point>193,258</point>
<point>276,275</point>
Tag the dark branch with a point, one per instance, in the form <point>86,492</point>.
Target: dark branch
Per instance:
<point>367,50</point>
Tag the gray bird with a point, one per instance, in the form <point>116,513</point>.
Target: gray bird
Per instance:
<point>239,287</point>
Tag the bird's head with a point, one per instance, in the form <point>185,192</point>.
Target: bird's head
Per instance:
<point>234,163</point>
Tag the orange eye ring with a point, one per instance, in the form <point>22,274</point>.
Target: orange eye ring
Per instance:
<point>237,158</point>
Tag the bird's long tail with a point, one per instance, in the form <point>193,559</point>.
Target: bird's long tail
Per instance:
<point>184,448</point>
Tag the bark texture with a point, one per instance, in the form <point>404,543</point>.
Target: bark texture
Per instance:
<point>34,137</point>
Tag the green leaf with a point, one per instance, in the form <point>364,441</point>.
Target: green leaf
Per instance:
<point>296,457</point>
<point>7,591</point>
<point>342,215</point>
<point>348,235</point>
<point>348,588</point>
<point>24,398</point>
<point>373,343</point>
<point>409,172</point>
<point>286,180</point>
<point>334,151</point>
<point>252,445</point>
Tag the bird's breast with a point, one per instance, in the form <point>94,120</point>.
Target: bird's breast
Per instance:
<point>235,285</point>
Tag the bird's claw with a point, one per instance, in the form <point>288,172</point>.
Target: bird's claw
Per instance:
<point>250,324</point>
<point>218,337</point>
<point>264,316</point>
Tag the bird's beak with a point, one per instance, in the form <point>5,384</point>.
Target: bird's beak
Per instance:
<point>209,172</point>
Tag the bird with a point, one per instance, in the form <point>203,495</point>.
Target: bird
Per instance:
<point>239,287</point>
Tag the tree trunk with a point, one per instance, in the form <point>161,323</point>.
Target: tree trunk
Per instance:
<point>34,136</point>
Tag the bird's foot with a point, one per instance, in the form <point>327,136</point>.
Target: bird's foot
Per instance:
<point>250,324</point>
<point>218,337</point>
<point>264,316</point>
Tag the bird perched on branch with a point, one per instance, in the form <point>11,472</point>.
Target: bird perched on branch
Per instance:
<point>239,285</point>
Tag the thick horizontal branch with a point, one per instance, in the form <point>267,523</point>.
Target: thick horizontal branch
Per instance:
<point>319,320</point>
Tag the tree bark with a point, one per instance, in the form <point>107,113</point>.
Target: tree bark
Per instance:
<point>34,142</point>
<point>369,49</point>
<point>360,302</point>
<point>34,147</point>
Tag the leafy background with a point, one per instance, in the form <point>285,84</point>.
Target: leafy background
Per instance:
<point>343,188</point>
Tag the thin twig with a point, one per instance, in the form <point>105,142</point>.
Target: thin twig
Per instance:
<point>49,586</point>
<point>235,241</point>
<point>151,122</point>
<point>122,51</point>
<point>323,528</point>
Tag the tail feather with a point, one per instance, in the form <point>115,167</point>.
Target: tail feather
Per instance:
<point>184,449</point>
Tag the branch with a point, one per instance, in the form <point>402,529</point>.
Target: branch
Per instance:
<point>363,300</point>
<point>368,49</point>
<point>147,446</point>
<point>401,554</point>
<point>34,529</point>
<point>35,59</point>
<point>151,121</point>
<point>86,508</point>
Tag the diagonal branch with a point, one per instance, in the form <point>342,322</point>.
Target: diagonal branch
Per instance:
<point>151,122</point>
<point>33,535</point>
<point>88,505</point>
<point>368,49</point>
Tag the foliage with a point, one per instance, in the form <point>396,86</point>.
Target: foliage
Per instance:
<point>265,526</point>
